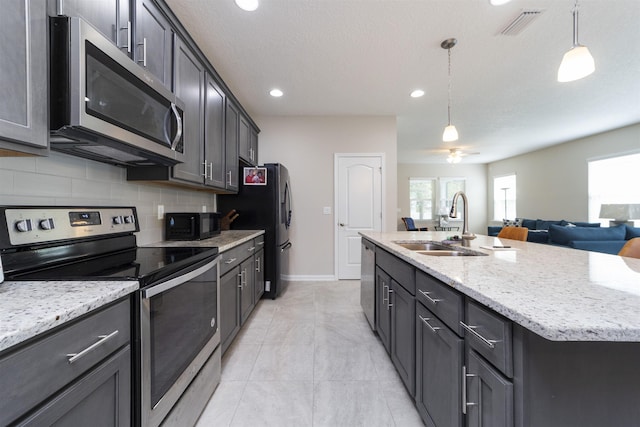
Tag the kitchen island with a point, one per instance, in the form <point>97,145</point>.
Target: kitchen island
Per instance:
<point>534,335</point>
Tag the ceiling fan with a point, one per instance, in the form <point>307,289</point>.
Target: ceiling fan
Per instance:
<point>455,155</point>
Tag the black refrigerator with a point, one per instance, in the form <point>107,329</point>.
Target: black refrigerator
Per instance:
<point>264,202</point>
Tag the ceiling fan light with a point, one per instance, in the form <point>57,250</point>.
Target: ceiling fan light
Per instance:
<point>576,64</point>
<point>450,134</point>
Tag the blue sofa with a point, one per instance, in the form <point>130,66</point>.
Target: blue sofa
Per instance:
<point>578,235</point>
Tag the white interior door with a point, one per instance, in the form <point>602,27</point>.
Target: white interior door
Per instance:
<point>358,207</point>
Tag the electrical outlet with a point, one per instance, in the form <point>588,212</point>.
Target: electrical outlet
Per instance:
<point>160,211</point>
<point>204,208</point>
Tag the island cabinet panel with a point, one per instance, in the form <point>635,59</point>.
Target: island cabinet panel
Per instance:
<point>383,319</point>
<point>582,384</point>
<point>446,303</point>
<point>403,336</point>
<point>439,361</point>
<point>489,395</point>
<point>401,272</point>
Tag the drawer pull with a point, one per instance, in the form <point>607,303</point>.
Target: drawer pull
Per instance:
<point>230,260</point>
<point>103,339</point>
<point>487,342</point>
<point>434,301</point>
<point>251,249</point>
<point>425,320</point>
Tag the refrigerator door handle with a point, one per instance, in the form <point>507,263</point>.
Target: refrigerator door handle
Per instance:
<point>286,246</point>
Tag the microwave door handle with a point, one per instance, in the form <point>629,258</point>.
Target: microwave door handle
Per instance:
<point>176,139</point>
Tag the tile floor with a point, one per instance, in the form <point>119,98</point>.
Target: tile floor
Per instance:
<point>309,358</point>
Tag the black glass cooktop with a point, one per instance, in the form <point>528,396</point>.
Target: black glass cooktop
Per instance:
<point>146,264</point>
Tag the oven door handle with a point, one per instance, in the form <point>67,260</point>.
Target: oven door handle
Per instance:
<point>169,284</point>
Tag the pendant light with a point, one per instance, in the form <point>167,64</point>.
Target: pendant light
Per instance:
<point>450,132</point>
<point>577,62</point>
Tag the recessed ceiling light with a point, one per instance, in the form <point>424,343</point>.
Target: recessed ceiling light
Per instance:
<point>248,5</point>
<point>417,93</point>
<point>276,93</point>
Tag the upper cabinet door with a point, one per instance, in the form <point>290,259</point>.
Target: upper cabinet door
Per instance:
<point>154,41</point>
<point>23,67</point>
<point>110,17</point>
<point>189,86</point>
<point>214,138</point>
<point>231,146</point>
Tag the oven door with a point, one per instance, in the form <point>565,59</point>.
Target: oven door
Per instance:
<point>178,332</point>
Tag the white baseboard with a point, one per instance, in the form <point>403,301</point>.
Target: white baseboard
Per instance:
<point>310,278</point>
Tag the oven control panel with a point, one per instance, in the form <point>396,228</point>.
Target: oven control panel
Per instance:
<point>34,225</point>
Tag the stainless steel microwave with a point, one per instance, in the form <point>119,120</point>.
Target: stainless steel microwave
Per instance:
<point>191,226</point>
<point>104,106</point>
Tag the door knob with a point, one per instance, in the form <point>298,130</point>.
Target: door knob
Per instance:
<point>341,225</point>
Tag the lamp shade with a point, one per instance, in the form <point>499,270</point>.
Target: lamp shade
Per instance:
<point>620,211</point>
<point>576,64</point>
<point>450,134</point>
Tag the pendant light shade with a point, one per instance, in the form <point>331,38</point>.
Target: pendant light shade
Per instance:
<point>450,132</point>
<point>577,62</point>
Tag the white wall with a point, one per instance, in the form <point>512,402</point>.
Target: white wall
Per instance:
<point>306,146</point>
<point>60,180</point>
<point>552,183</point>
<point>475,189</point>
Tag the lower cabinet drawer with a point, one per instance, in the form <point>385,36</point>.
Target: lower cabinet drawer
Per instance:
<point>444,302</point>
<point>36,371</point>
<point>490,335</point>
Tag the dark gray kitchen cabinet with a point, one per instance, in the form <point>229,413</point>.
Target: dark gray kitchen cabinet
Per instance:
<point>214,139</point>
<point>232,126</point>
<point>153,47</point>
<point>23,86</point>
<point>259,277</point>
<point>383,308</point>
<point>77,374</point>
<point>189,87</point>
<point>247,141</point>
<point>110,17</point>
<point>403,335</point>
<point>439,361</point>
<point>247,291</point>
<point>229,308</point>
<point>489,395</point>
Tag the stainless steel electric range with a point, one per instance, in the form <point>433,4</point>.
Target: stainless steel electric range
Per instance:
<point>175,321</point>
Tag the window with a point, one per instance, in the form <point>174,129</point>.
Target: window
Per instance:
<point>448,188</point>
<point>504,197</point>
<point>421,197</point>
<point>613,180</point>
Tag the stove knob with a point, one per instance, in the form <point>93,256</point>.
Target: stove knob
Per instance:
<point>117,220</point>
<point>46,224</point>
<point>23,225</point>
<point>129,219</point>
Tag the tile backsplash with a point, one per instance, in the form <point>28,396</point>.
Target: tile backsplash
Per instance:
<point>62,180</point>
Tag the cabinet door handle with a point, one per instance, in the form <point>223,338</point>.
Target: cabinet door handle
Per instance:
<point>211,171</point>
<point>434,301</point>
<point>383,297</point>
<point>241,279</point>
<point>425,320</point>
<point>128,45</point>
<point>144,51</point>
<point>258,265</point>
<point>466,404</point>
<point>205,168</point>
<point>73,357</point>
<point>228,177</point>
<point>389,292</point>
<point>489,343</point>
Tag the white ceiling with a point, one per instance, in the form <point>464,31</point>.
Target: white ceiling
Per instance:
<point>364,57</point>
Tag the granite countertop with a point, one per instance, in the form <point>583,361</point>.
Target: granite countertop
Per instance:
<point>30,308</point>
<point>561,294</point>
<point>224,241</point>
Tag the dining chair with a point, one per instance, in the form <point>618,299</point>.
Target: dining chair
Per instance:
<point>514,233</point>
<point>411,226</point>
<point>631,248</point>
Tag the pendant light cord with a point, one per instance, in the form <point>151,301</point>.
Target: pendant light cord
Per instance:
<point>449,89</point>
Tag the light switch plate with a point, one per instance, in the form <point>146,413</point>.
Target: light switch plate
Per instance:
<point>326,210</point>
<point>160,211</point>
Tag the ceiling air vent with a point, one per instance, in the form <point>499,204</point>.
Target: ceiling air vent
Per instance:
<point>521,22</point>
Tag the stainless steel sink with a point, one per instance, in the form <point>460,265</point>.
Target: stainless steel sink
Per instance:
<point>432,248</point>
<point>424,246</point>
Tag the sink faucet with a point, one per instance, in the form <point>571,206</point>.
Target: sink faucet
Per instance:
<point>466,236</point>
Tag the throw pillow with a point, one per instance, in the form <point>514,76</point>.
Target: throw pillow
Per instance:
<point>529,223</point>
<point>632,232</point>
<point>542,224</point>
<point>512,222</point>
<point>563,235</point>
